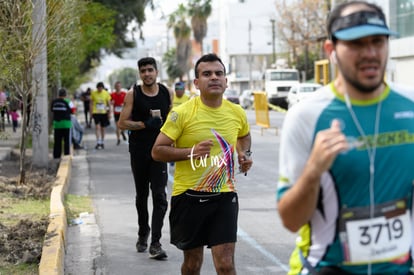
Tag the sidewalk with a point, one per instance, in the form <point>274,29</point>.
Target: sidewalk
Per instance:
<point>9,140</point>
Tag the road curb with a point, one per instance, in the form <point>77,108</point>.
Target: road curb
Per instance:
<point>53,251</point>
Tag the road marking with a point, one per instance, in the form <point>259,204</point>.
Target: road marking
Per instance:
<point>242,234</point>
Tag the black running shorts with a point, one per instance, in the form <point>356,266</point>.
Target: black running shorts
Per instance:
<point>202,218</point>
<point>101,119</point>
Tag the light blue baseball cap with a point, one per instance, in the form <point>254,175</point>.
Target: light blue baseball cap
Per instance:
<point>360,24</point>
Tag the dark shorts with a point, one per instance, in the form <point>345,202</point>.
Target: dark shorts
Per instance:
<point>201,218</point>
<point>116,117</point>
<point>101,119</point>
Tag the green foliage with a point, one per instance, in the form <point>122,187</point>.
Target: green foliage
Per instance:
<point>170,61</point>
<point>105,28</point>
<point>125,13</point>
<point>63,40</point>
<point>182,31</point>
<point>309,67</point>
<point>75,205</point>
<point>15,39</point>
<point>199,11</point>
<point>178,22</point>
<point>20,269</point>
<point>127,77</point>
<point>15,209</point>
<point>97,27</point>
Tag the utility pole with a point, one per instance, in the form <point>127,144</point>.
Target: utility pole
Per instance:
<point>332,66</point>
<point>250,56</point>
<point>40,140</point>
<point>273,21</point>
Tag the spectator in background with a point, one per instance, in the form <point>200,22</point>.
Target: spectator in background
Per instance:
<point>61,111</point>
<point>15,119</point>
<point>3,108</point>
<point>77,133</point>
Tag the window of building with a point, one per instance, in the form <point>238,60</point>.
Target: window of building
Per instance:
<point>405,17</point>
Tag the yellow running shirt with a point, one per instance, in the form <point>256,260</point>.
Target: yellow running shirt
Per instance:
<point>193,122</point>
<point>180,100</point>
<point>101,101</point>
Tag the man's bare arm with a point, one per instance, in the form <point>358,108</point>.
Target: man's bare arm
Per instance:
<point>163,150</point>
<point>125,122</point>
<point>298,204</point>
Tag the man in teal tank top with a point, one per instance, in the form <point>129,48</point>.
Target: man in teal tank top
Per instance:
<point>346,158</point>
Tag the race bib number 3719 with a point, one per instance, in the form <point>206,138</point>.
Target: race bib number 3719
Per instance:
<point>383,238</point>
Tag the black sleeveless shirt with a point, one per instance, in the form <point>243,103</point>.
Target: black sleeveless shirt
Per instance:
<point>141,112</point>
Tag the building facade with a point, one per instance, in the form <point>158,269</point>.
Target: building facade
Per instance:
<point>247,43</point>
<point>401,19</point>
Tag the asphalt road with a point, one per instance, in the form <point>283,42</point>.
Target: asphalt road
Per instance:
<point>104,241</point>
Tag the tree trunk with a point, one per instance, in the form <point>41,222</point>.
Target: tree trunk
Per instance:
<point>23,137</point>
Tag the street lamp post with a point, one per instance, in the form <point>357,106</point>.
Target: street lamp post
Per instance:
<point>273,21</point>
<point>250,56</point>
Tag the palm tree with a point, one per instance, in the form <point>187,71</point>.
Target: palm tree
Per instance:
<point>170,61</point>
<point>177,21</point>
<point>199,11</point>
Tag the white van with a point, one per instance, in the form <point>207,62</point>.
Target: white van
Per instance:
<point>278,83</point>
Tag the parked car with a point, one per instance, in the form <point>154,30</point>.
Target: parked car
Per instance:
<point>300,91</point>
<point>247,99</point>
<point>231,95</point>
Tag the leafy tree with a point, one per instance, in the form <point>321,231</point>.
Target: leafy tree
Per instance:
<point>302,62</point>
<point>19,51</point>
<point>63,50</point>
<point>77,31</point>
<point>170,61</point>
<point>182,31</point>
<point>199,10</point>
<point>97,28</point>
<point>124,14</point>
<point>301,26</point>
<point>127,77</point>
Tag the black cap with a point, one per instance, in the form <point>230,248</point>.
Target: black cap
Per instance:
<point>62,92</point>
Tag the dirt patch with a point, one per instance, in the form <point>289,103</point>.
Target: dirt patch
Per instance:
<point>22,242</point>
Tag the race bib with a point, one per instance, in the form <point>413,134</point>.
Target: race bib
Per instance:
<point>118,109</point>
<point>383,238</point>
<point>100,107</point>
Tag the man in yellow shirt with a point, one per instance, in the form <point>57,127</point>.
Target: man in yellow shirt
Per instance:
<point>101,112</point>
<point>180,96</point>
<point>203,136</point>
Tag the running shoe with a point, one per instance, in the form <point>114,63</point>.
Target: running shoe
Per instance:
<point>141,244</point>
<point>156,252</point>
